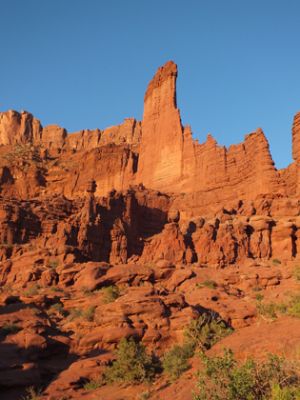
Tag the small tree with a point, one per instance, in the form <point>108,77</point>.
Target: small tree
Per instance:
<point>175,361</point>
<point>132,364</point>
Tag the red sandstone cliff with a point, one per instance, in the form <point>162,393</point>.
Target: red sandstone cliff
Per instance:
<point>157,152</point>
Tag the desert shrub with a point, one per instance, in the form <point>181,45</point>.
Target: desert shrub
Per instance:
<point>93,384</point>
<point>208,283</point>
<point>110,293</point>
<point>58,308</point>
<point>175,361</point>
<point>205,331</point>
<point>276,261</point>
<point>273,310</point>
<point>32,290</point>
<point>293,306</point>
<point>87,292</point>
<point>52,263</point>
<point>296,273</point>
<point>223,378</point>
<point>259,297</point>
<point>132,363</point>
<point>56,289</point>
<point>144,395</point>
<point>75,313</point>
<point>10,328</point>
<point>87,314</point>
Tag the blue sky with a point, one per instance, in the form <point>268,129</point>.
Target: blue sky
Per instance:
<point>86,63</point>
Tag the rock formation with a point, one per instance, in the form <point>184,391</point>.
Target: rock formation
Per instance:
<point>137,230</point>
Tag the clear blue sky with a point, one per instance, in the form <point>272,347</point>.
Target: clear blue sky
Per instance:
<point>86,63</point>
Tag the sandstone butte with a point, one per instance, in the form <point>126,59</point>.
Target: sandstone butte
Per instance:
<point>181,228</point>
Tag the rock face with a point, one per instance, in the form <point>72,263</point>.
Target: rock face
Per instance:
<point>158,152</point>
<point>160,158</point>
<point>136,230</point>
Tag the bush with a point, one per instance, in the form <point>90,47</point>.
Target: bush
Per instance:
<point>268,310</point>
<point>296,273</point>
<point>293,306</point>
<point>53,263</point>
<point>175,361</point>
<point>206,330</point>
<point>132,364</point>
<point>58,308</point>
<point>87,314</point>
<point>208,283</point>
<point>110,293</point>
<point>272,310</point>
<point>276,261</point>
<point>223,378</point>
<point>93,384</point>
<point>32,290</point>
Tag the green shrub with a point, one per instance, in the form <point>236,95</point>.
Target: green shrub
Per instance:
<point>296,273</point>
<point>208,283</point>
<point>132,364</point>
<point>276,261</point>
<point>205,331</point>
<point>223,378</point>
<point>93,384</point>
<point>32,290</point>
<point>110,293</point>
<point>268,310</point>
<point>58,308</point>
<point>285,393</point>
<point>293,306</point>
<point>144,396</point>
<point>75,313</point>
<point>87,314</point>
<point>259,297</point>
<point>175,361</point>
<point>272,310</point>
<point>53,263</point>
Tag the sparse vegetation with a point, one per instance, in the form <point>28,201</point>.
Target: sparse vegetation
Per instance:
<point>58,308</point>
<point>223,378</point>
<point>276,261</point>
<point>175,361</point>
<point>205,331</point>
<point>144,396</point>
<point>93,384</point>
<point>132,364</point>
<point>53,263</point>
<point>32,290</point>
<point>293,306</point>
<point>272,310</point>
<point>259,297</point>
<point>207,283</point>
<point>86,292</point>
<point>87,314</point>
<point>296,273</point>
<point>110,293</point>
